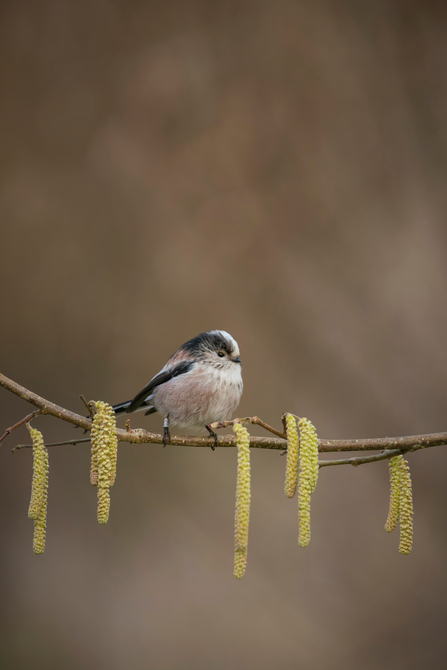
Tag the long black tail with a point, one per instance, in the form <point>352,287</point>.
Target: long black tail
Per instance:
<point>121,408</point>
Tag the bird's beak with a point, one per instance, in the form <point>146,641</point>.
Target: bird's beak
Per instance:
<point>236,360</point>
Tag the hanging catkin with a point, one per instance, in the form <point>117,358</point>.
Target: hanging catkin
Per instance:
<point>103,456</point>
<point>307,477</point>
<point>401,502</point>
<point>39,490</point>
<point>242,515</point>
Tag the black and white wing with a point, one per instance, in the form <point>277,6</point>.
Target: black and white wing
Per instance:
<point>164,376</point>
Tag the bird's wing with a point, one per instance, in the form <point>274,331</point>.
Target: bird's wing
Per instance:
<point>162,377</point>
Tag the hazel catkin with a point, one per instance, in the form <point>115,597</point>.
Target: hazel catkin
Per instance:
<point>242,514</point>
<point>307,477</point>
<point>39,490</point>
<point>103,456</point>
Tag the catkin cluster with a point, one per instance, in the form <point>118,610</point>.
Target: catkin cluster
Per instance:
<point>401,502</point>
<point>39,490</point>
<point>103,456</point>
<point>308,475</point>
<point>242,515</point>
<point>301,472</point>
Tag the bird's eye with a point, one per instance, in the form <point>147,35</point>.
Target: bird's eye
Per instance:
<point>221,354</point>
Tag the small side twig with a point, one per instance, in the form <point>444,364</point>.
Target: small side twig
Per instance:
<point>360,460</point>
<point>255,420</point>
<point>88,406</point>
<point>52,444</point>
<point>284,423</point>
<point>9,430</point>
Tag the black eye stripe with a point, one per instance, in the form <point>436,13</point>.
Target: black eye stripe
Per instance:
<point>209,341</point>
<point>224,346</point>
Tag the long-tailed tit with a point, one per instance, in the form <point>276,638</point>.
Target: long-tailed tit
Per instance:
<point>201,383</point>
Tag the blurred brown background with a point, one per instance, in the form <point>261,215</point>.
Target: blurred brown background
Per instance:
<point>277,170</point>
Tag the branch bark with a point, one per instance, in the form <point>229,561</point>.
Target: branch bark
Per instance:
<point>360,460</point>
<point>140,436</point>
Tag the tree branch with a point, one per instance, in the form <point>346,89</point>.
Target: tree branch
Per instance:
<point>140,436</point>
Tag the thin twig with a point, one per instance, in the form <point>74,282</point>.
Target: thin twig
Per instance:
<point>284,423</point>
<point>8,431</point>
<point>360,460</point>
<point>257,421</point>
<point>88,406</point>
<point>52,444</point>
<point>249,419</point>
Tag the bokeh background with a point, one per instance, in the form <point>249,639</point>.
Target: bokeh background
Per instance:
<point>277,170</point>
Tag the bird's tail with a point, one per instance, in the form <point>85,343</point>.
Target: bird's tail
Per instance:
<point>121,408</point>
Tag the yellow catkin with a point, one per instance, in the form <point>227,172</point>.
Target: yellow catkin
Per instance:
<point>395,486</point>
<point>94,452</point>
<point>240,563</point>
<point>406,509</point>
<point>242,515</point>
<point>308,475</point>
<point>309,443</point>
<point>37,485</point>
<point>39,490</point>
<point>104,456</point>
<point>103,509</point>
<point>40,531</point>
<point>113,450</point>
<point>292,456</point>
<point>304,494</point>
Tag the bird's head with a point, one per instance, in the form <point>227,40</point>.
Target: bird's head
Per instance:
<point>216,347</point>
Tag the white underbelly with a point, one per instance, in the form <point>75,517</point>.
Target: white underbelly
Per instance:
<point>200,398</point>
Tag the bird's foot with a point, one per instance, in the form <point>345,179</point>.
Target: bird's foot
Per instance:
<point>212,434</point>
<point>166,436</point>
<point>166,433</point>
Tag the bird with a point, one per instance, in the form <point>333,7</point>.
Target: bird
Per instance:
<point>201,383</point>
